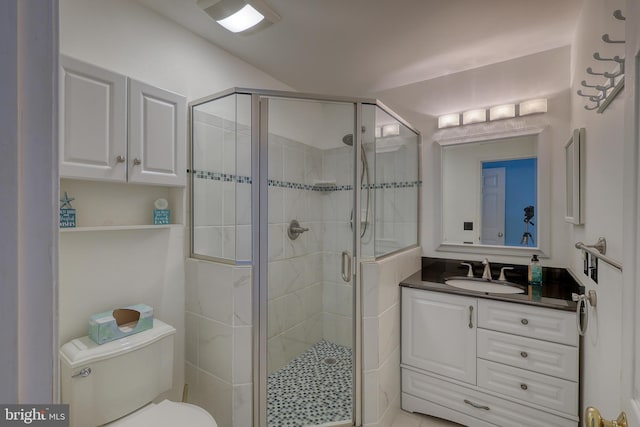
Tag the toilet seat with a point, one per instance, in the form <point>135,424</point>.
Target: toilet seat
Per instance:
<point>167,414</point>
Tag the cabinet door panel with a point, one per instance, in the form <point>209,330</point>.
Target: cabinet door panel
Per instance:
<point>157,135</point>
<point>439,333</point>
<point>93,114</point>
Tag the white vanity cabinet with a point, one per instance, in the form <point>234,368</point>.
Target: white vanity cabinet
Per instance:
<point>520,361</point>
<point>447,320</point>
<point>113,128</point>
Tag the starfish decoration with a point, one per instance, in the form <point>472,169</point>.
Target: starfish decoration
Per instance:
<point>66,201</point>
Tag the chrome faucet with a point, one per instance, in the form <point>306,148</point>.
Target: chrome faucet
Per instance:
<point>486,274</point>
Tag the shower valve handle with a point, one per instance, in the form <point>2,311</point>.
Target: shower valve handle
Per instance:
<point>295,229</point>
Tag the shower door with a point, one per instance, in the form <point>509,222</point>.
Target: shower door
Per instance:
<point>308,173</point>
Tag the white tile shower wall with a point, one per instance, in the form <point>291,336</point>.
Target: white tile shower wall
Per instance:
<point>218,340</point>
<point>335,206</point>
<point>381,335</point>
<point>222,204</point>
<point>295,297</point>
<point>396,200</point>
<point>396,218</point>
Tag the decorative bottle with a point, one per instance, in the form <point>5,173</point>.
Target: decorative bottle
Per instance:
<point>535,278</point>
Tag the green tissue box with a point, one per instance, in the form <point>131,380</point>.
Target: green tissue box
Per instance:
<point>120,323</point>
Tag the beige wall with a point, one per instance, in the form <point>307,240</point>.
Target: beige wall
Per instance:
<point>603,204</point>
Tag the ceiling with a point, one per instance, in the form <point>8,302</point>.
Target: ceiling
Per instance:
<point>424,57</point>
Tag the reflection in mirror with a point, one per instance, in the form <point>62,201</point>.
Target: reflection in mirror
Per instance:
<point>490,192</point>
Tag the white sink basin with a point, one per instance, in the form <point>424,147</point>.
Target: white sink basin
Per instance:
<point>484,286</point>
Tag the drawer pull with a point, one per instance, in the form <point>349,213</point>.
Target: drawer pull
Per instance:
<point>475,405</point>
<point>524,321</point>
<point>470,317</point>
<point>523,386</point>
<point>524,354</point>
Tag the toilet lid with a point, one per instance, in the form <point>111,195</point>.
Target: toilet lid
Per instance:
<point>168,414</point>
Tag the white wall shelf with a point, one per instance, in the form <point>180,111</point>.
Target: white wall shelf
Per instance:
<point>119,228</point>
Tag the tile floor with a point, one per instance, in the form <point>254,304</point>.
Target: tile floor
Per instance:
<point>312,389</point>
<point>406,419</point>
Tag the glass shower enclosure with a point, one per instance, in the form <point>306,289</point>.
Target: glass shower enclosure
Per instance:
<point>302,188</point>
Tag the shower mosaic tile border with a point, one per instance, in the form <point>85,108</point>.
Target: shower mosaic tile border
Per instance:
<point>218,176</point>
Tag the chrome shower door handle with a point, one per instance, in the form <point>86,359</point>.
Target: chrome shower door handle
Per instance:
<point>346,274</point>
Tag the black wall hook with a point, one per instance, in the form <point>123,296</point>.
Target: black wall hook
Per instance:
<point>607,39</point>
<point>618,15</point>
<point>593,73</point>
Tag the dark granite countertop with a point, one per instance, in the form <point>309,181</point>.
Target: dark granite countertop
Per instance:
<point>558,284</point>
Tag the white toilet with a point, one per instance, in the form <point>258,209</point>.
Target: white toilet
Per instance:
<point>114,383</point>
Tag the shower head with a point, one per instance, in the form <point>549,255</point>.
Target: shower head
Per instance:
<point>348,139</point>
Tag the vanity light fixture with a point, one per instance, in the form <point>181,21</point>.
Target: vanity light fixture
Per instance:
<point>240,16</point>
<point>392,129</point>
<point>448,120</point>
<point>474,116</point>
<point>506,111</point>
<point>384,131</point>
<point>533,106</point>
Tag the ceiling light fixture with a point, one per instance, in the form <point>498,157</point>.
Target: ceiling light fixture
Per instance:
<point>240,16</point>
<point>242,20</point>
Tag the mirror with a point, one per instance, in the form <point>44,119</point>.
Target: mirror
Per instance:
<point>574,153</point>
<point>489,195</point>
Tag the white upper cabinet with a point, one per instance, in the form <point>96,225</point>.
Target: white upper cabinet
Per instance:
<point>118,129</point>
<point>93,122</point>
<point>157,135</point>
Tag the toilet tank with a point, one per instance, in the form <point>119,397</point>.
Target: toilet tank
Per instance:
<point>125,374</point>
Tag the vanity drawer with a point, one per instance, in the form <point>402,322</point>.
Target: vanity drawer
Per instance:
<point>421,391</point>
<point>558,360</point>
<point>531,387</point>
<point>535,322</point>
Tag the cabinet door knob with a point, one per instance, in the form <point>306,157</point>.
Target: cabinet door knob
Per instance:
<point>84,372</point>
<point>470,317</point>
<point>524,354</point>
<point>137,162</point>
<point>120,159</point>
<point>524,321</point>
<point>523,386</point>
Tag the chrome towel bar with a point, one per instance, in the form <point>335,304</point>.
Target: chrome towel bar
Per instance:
<point>598,250</point>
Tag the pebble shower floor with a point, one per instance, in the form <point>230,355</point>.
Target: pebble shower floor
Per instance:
<point>313,389</point>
